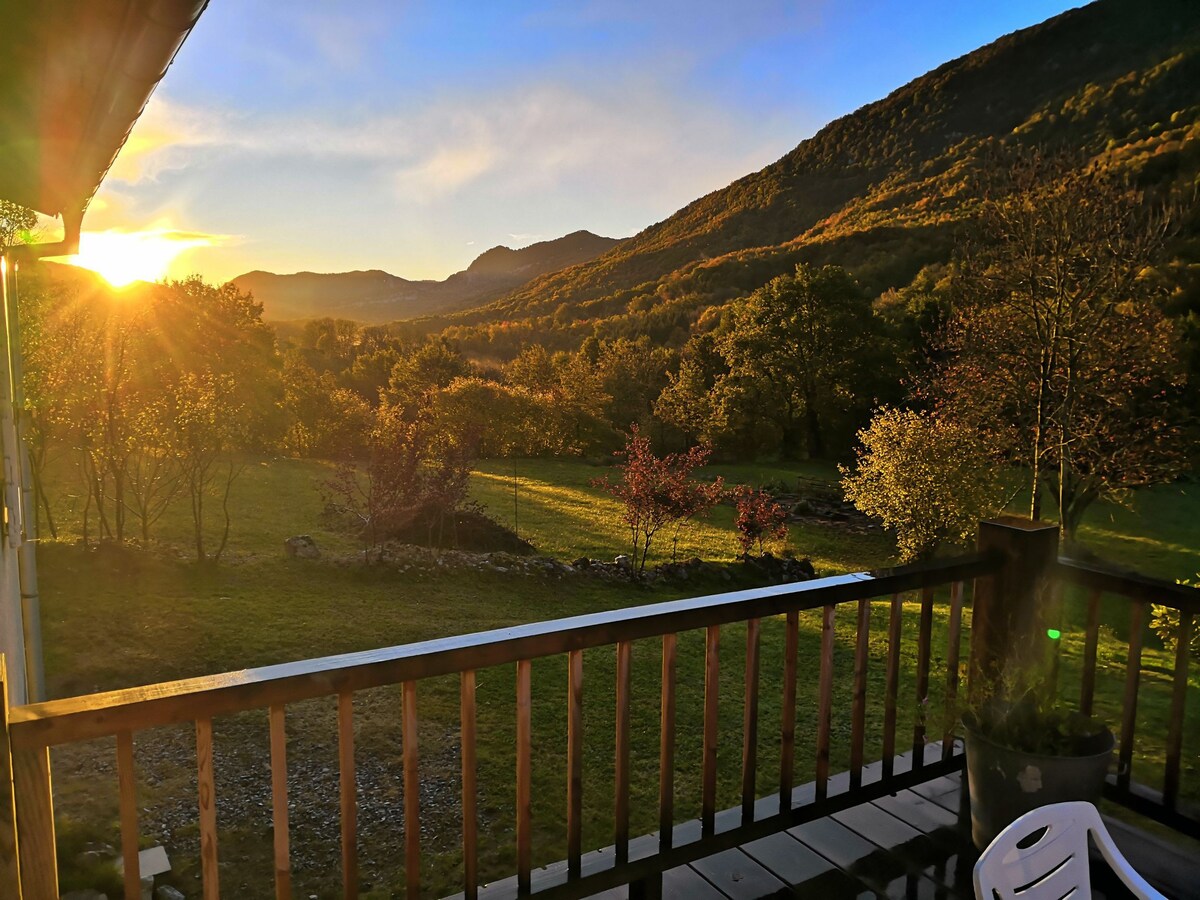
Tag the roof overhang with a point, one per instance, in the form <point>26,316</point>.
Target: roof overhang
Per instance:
<point>74,77</point>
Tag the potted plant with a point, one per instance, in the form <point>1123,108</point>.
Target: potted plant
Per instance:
<point>1025,750</point>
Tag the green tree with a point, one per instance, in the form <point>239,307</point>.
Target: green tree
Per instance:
<point>929,479</point>
<point>801,353</point>
<point>418,375</point>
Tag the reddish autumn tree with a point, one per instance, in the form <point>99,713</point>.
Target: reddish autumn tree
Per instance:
<point>659,491</point>
<point>760,520</point>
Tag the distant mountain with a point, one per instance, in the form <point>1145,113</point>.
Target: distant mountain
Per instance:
<point>887,189</point>
<point>375,296</point>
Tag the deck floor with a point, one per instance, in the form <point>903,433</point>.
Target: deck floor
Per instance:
<point>912,844</point>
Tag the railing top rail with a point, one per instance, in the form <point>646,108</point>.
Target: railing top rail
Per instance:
<point>1133,585</point>
<point>98,715</point>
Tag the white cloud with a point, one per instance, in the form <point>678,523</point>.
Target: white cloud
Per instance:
<point>627,135</point>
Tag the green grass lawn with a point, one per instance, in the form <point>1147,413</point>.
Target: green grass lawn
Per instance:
<point>117,617</point>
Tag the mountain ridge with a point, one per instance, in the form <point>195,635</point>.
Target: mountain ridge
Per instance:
<point>374,296</point>
<point>886,189</point>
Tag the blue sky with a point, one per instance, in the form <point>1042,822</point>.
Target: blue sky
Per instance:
<point>411,136</point>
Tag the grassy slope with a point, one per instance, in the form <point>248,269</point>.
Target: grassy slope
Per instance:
<point>116,618</point>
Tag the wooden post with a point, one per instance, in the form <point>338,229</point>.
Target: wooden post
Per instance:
<point>1011,608</point>
<point>35,824</point>
<point>10,880</point>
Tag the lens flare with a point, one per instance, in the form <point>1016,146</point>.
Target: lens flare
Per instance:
<point>122,257</point>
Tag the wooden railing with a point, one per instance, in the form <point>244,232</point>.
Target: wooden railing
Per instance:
<point>33,730</point>
<point>1140,591</point>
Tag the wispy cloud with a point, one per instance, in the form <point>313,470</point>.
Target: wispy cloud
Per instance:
<point>626,136</point>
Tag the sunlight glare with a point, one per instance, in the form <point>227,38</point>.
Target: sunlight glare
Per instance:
<point>122,257</point>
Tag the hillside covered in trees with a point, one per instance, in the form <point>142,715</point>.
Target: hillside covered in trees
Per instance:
<point>891,188</point>
<point>1004,253</point>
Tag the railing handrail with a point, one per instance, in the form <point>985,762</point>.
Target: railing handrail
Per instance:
<point>1131,584</point>
<point>40,725</point>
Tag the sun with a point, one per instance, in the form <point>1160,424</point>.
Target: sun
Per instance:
<point>123,257</point>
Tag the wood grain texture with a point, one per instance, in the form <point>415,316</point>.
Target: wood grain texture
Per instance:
<point>35,824</point>
<point>787,726</point>
<point>524,773</point>
<point>924,641</point>
<point>750,722</point>
<point>127,795</point>
<point>1087,680</point>
<point>892,684</point>
<point>858,709</point>
<point>469,789</point>
<point>1179,688</point>
<point>1130,584</point>
<point>712,690</point>
<point>574,762</point>
<point>825,702</point>
<point>412,790</point>
<point>279,803</point>
<point>621,753</point>
<point>207,810</point>
<point>666,745</point>
<point>1133,673</point>
<point>953,655</point>
<point>348,795</point>
<point>10,876</point>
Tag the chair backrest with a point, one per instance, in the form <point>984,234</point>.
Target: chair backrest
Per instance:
<point>1041,856</point>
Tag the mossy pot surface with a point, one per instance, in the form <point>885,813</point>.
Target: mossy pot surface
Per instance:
<point>1005,783</point>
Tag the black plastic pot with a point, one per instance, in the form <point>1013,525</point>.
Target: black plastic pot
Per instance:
<point>1005,784</point>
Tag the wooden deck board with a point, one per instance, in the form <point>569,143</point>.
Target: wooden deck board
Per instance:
<point>685,883</point>
<point>736,875</point>
<point>913,844</point>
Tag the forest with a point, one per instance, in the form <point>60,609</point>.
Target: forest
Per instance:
<point>1052,344</point>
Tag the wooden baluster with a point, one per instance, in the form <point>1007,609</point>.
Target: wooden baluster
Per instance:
<point>279,803</point>
<point>524,767</point>
<point>924,636</point>
<point>892,686</point>
<point>750,723</point>
<point>858,713</point>
<point>10,876</point>
<point>1133,672</point>
<point>708,802</point>
<point>666,746</point>
<point>469,805</point>
<point>208,809</point>
<point>1087,687</point>
<point>348,795</point>
<point>621,766</point>
<point>412,791</point>
<point>1183,637</point>
<point>825,702</point>
<point>35,824</point>
<point>953,651</point>
<point>574,762</point>
<point>127,788</point>
<point>787,731</point>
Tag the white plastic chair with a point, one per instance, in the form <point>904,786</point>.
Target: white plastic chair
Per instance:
<point>1054,866</point>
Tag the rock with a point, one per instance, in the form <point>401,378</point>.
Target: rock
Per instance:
<point>87,894</point>
<point>623,562</point>
<point>302,546</point>
<point>582,563</point>
<point>147,887</point>
<point>166,892</point>
<point>152,861</point>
